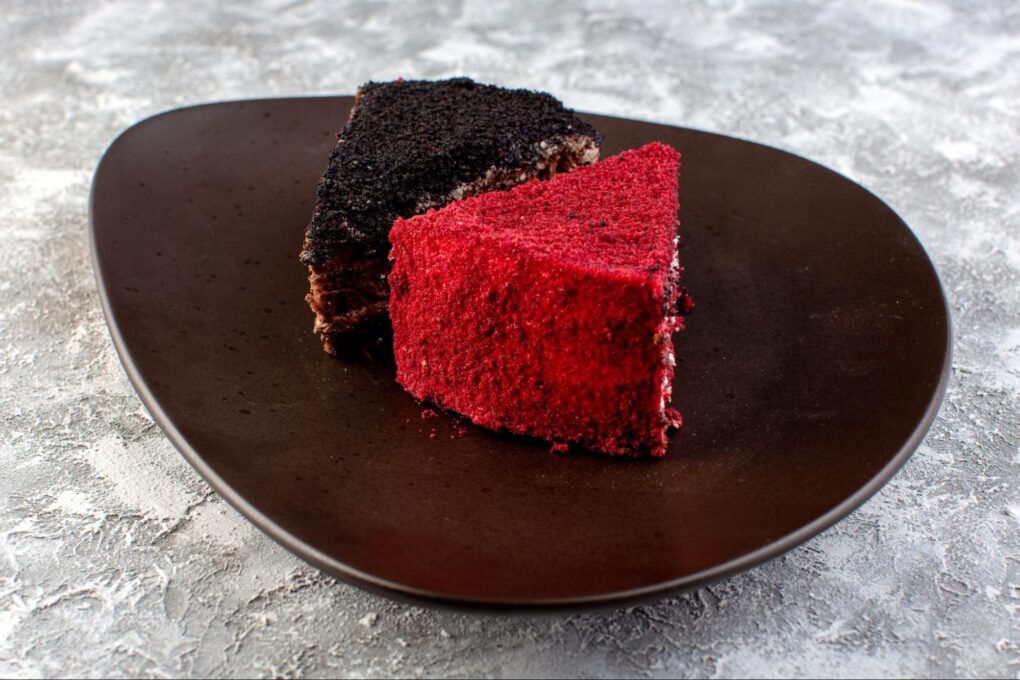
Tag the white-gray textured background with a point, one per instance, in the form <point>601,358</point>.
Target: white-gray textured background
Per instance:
<point>116,559</point>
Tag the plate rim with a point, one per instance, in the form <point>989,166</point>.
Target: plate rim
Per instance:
<point>410,594</point>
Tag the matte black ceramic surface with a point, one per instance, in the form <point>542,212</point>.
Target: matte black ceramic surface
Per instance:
<point>812,366</point>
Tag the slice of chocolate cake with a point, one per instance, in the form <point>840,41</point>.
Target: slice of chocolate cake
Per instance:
<point>549,309</point>
<point>410,146</point>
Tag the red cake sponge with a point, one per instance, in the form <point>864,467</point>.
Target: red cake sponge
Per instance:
<point>548,310</point>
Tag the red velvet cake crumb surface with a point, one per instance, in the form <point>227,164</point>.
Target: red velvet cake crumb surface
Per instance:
<point>548,310</point>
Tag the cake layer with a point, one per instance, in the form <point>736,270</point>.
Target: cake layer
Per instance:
<point>548,310</point>
<point>410,146</point>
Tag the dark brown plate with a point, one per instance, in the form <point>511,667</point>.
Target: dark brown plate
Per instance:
<point>814,364</point>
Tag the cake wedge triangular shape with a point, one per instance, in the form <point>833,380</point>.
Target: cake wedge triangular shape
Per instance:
<point>548,310</point>
<point>411,145</point>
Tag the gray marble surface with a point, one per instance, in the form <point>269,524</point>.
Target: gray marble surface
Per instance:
<point>116,559</point>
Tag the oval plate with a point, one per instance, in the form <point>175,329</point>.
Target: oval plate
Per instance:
<point>814,364</point>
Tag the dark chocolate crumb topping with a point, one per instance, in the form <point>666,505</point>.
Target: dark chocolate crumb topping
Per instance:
<point>411,143</point>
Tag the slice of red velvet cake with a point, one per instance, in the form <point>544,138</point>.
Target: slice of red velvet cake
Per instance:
<point>549,309</point>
